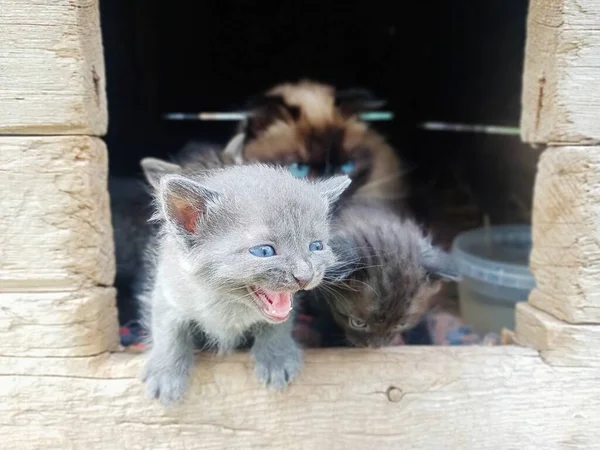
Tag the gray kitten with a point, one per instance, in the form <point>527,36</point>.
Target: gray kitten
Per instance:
<point>235,244</point>
<point>387,273</point>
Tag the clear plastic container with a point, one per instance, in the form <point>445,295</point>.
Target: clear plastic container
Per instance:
<point>494,264</point>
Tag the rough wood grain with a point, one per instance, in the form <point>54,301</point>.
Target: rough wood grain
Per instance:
<point>559,343</point>
<point>51,68</point>
<point>55,230</point>
<point>418,398</point>
<point>561,86</point>
<point>81,323</point>
<point>566,234</point>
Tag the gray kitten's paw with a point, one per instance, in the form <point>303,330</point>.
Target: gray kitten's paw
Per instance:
<point>276,369</point>
<point>167,384</point>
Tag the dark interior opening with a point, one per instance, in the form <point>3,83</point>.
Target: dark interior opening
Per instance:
<point>457,62</point>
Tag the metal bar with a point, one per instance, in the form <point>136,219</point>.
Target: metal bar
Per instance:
<point>238,116</point>
<point>371,116</point>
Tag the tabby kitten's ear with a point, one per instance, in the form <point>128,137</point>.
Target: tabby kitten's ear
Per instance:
<point>185,202</point>
<point>154,169</point>
<point>264,110</point>
<point>438,264</point>
<point>233,152</point>
<point>354,101</point>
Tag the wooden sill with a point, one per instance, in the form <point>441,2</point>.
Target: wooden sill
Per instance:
<point>404,397</point>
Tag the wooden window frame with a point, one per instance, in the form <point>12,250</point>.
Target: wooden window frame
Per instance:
<point>65,385</point>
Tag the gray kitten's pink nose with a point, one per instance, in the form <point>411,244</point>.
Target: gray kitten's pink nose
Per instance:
<point>302,282</point>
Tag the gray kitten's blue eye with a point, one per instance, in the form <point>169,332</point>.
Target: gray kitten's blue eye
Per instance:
<point>315,246</point>
<point>347,167</point>
<point>299,170</point>
<point>263,251</point>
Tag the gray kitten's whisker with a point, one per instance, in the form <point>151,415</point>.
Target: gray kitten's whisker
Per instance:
<point>367,285</point>
<point>331,285</point>
<point>334,293</point>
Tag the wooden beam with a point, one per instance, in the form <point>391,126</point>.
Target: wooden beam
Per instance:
<point>417,397</point>
<point>559,343</point>
<point>55,225</point>
<point>80,323</point>
<point>561,86</point>
<point>566,234</point>
<point>51,68</point>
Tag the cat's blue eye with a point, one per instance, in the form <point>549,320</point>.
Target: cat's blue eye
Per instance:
<point>263,251</point>
<point>347,168</point>
<point>299,170</point>
<point>315,246</point>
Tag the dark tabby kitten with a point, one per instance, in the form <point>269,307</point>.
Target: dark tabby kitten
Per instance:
<point>389,271</point>
<point>131,207</point>
<point>315,131</point>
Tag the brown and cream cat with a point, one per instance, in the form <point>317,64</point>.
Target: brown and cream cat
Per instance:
<point>386,279</point>
<point>315,130</point>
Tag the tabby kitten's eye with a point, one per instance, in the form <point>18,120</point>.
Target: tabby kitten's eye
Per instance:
<point>263,251</point>
<point>315,246</point>
<point>357,323</point>
<point>348,167</point>
<point>431,277</point>
<point>299,170</point>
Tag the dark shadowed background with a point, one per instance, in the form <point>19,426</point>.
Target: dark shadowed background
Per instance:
<point>458,61</point>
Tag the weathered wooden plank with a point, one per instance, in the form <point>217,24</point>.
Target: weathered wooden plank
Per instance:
<point>561,86</point>
<point>55,230</point>
<point>559,343</point>
<point>418,398</point>
<point>566,234</point>
<point>56,324</point>
<point>51,68</point>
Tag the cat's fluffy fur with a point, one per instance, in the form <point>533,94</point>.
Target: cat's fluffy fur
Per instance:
<point>387,274</point>
<point>314,123</point>
<point>202,272</point>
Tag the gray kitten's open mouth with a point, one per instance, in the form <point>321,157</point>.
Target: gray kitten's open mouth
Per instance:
<point>275,306</point>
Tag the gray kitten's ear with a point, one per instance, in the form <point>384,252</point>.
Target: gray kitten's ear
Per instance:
<point>332,188</point>
<point>154,169</point>
<point>185,202</point>
<point>438,263</point>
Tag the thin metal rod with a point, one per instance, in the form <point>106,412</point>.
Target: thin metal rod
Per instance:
<point>237,116</point>
<point>371,116</point>
<point>470,128</point>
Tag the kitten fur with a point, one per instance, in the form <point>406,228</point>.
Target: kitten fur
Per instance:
<point>387,274</point>
<point>131,209</point>
<point>313,123</point>
<point>204,274</point>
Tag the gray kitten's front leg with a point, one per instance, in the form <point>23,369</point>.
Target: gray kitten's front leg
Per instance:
<point>278,357</point>
<point>171,356</point>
